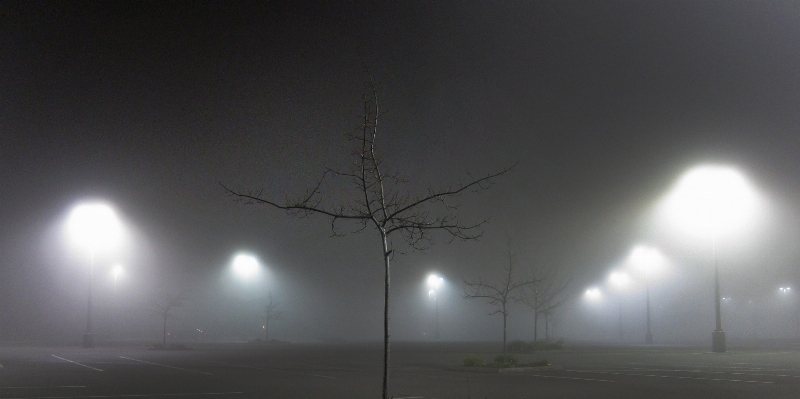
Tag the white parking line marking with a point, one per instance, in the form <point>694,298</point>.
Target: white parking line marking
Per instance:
<point>324,367</point>
<point>566,378</point>
<point>79,364</point>
<point>265,369</point>
<point>431,376</point>
<point>164,365</point>
<point>56,386</point>
<point>666,376</point>
<point>149,395</point>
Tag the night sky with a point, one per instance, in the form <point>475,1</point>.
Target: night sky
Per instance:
<point>150,106</point>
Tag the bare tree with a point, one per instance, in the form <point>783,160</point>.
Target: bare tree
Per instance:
<point>162,307</point>
<point>544,296</point>
<point>500,294</point>
<point>379,202</point>
<point>272,311</point>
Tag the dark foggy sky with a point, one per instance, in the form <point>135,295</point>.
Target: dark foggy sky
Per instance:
<point>150,106</point>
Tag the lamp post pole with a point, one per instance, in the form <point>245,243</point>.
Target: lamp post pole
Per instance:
<point>436,299</point>
<point>648,338</point>
<point>718,336</point>
<point>88,337</point>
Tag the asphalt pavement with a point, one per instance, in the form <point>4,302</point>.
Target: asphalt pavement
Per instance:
<point>419,370</point>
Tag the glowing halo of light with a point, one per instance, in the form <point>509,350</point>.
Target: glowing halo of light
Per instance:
<point>94,225</point>
<point>709,200</point>
<point>434,281</point>
<point>246,266</point>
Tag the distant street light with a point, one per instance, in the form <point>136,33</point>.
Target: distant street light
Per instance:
<point>116,272</point>
<point>246,266</point>
<point>434,283</point>
<point>620,281</point>
<point>593,294</point>
<point>94,226</point>
<point>647,259</point>
<point>710,200</point>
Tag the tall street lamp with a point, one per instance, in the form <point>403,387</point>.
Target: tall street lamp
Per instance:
<point>434,283</point>
<point>246,268</point>
<point>620,281</point>
<point>115,272</point>
<point>647,260</point>
<point>94,226</point>
<point>712,200</point>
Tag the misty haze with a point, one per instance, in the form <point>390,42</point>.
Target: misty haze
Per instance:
<point>399,200</point>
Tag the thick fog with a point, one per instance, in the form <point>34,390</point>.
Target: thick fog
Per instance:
<point>601,108</point>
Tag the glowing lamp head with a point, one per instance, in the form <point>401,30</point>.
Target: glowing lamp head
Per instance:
<point>647,259</point>
<point>94,226</point>
<point>593,294</point>
<point>245,266</point>
<point>117,271</point>
<point>434,282</point>
<point>620,280</point>
<point>711,200</point>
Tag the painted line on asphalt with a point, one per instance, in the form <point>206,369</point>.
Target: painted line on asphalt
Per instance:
<point>164,365</point>
<point>431,376</point>
<point>79,364</point>
<point>43,387</point>
<point>266,369</point>
<point>737,368</point>
<point>324,367</point>
<point>149,395</point>
<point>668,376</point>
<point>701,371</point>
<point>564,378</point>
<point>367,364</point>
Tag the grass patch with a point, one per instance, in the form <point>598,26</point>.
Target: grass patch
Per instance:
<point>474,361</point>
<point>505,361</point>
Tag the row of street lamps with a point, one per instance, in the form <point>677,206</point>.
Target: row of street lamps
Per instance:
<point>707,202</point>
<point>96,227</point>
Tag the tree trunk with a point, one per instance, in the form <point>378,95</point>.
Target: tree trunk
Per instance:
<point>546,328</point>
<point>266,330</point>
<point>535,325</point>
<point>505,315</point>
<point>386,255</point>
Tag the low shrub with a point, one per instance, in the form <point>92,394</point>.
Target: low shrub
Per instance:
<point>505,361</point>
<point>474,361</point>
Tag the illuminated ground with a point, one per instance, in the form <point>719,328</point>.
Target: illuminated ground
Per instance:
<point>419,371</point>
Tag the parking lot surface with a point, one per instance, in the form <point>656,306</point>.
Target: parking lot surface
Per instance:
<point>419,370</point>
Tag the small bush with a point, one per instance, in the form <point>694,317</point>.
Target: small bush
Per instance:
<point>505,361</point>
<point>474,361</point>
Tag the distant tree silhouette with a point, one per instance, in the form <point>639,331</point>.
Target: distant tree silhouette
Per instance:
<point>500,293</point>
<point>162,307</point>
<point>378,202</point>
<point>272,312</point>
<point>544,296</point>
